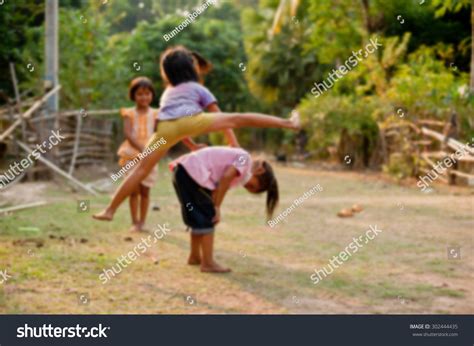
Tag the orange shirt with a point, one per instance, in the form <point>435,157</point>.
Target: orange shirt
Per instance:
<point>142,130</point>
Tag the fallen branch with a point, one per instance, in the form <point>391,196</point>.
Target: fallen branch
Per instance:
<point>58,170</point>
<point>23,206</point>
<point>88,112</point>
<point>431,122</point>
<point>452,143</point>
<point>84,113</point>
<point>443,154</point>
<point>462,174</point>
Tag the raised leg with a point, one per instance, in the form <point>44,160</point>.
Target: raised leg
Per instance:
<point>222,121</point>
<point>130,184</point>
<point>256,120</point>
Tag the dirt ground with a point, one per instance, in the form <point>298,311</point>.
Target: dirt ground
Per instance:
<point>54,254</point>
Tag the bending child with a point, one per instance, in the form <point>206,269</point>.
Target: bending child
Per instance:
<point>182,115</point>
<point>201,180</point>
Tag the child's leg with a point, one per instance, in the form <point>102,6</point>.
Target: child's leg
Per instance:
<point>208,264</point>
<point>220,121</point>
<point>195,255</point>
<point>131,183</point>
<point>236,120</point>
<point>133,201</point>
<point>144,204</point>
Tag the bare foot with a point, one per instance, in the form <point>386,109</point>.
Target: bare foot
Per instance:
<point>142,228</point>
<point>214,268</point>
<point>135,228</point>
<point>194,260</point>
<point>295,120</point>
<point>105,215</point>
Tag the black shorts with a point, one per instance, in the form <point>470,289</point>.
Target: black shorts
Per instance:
<point>197,207</point>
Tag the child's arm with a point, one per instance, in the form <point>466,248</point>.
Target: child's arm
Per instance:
<point>193,145</point>
<point>155,125</point>
<point>228,133</point>
<point>222,187</point>
<point>128,131</point>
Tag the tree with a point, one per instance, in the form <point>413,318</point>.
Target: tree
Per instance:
<point>455,6</point>
<point>16,17</point>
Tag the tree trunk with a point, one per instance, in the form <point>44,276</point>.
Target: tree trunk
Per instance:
<point>472,50</point>
<point>366,12</point>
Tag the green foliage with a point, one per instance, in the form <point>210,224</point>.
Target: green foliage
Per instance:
<point>325,118</point>
<point>226,80</point>
<point>279,67</point>
<point>426,86</point>
<point>422,67</point>
<point>96,67</point>
<point>444,6</point>
<point>16,17</point>
<point>400,165</point>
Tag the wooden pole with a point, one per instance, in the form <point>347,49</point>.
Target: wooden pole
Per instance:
<point>452,143</point>
<point>472,49</point>
<point>51,52</point>
<point>24,206</point>
<point>18,99</point>
<point>58,170</point>
<point>76,143</point>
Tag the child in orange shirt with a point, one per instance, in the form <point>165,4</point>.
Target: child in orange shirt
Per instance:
<point>139,123</point>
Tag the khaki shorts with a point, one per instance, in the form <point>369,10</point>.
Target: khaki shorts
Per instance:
<point>173,131</point>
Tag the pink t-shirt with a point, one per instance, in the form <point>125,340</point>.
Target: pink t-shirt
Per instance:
<point>207,166</point>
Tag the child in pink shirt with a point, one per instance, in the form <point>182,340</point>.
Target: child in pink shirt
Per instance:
<point>201,180</point>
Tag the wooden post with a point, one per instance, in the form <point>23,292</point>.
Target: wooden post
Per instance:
<point>472,50</point>
<point>51,52</point>
<point>76,143</point>
<point>23,206</point>
<point>18,100</point>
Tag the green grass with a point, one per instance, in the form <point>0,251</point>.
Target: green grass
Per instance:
<point>271,267</point>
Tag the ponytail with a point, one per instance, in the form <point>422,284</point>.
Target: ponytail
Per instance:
<point>268,182</point>
<point>204,66</point>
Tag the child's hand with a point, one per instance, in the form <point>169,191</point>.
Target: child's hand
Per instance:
<point>217,218</point>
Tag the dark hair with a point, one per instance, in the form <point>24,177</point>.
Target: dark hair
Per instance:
<point>267,182</point>
<point>177,63</point>
<point>140,82</point>
<point>204,66</point>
